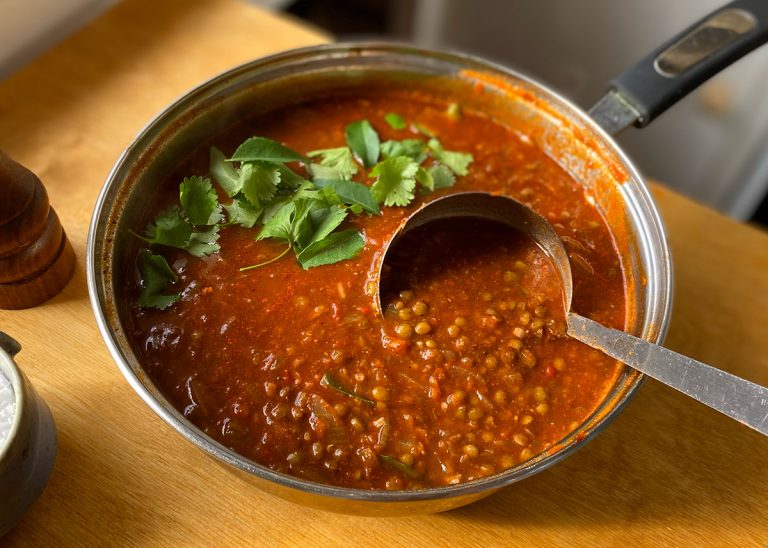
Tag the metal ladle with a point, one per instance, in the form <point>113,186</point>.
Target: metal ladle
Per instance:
<point>733,396</point>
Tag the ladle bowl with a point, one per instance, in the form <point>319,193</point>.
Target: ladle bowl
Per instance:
<point>733,396</point>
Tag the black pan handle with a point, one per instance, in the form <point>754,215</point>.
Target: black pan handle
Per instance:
<point>678,67</point>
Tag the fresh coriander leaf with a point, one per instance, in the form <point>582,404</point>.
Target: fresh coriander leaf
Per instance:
<point>364,141</point>
<point>352,194</point>
<point>261,149</point>
<point>289,178</point>
<point>335,247</point>
<point>242,212</point>
<point>199,201</point>
<point>204,243</point>
<point>319,171</point>
<point>395,180</point>
<point>224,173</point>
<point>322,221</point>
<point>442,176</point>
<point>155,277</point>
<point>456,161</point>
<point>301,225</point>
<point>280,224</point>
<point>273,206</point>
<point>323,197</point>
<point>169,228</point>
<point>424,177</point>
<point>339,159</point>
<point>412,148</point>
<point>259,181</point>
<point>395,121</point>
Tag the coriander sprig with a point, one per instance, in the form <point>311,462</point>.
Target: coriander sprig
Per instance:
<point>304,211</point>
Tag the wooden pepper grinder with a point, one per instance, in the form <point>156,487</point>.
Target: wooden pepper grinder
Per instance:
<point>36,258</point>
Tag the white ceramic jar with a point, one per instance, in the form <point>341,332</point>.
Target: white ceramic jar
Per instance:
<point>29,448</point>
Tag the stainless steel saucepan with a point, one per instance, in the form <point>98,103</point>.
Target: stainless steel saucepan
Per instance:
<point>577,141</point>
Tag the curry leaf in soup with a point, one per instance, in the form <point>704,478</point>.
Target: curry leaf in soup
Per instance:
<point>204,243</point>
<point>442,176</point>
<point>170,229</point>
<point>412,148</point>
<point>259,182</point>
<point>395,121</point>
<point>458,162</point>
<point>261,149</point>
<point>338,161</point>
<point>242,212</point>
<point>224,173</point>
<point>352,194</point>
<point>155,277</point>
<point>395,180</point>
<point>338,246</point>
<point>199,201</point>
<point>364,141</point>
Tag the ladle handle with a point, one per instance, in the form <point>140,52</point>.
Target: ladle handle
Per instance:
<point>738,398</point>
<point>679,66</point>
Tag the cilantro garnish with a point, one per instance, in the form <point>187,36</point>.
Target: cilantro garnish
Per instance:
<point>258,149</point>
<point>364,142</point>
<point>335,247</point>
<point>204,243</point>
<point>336,163</point>
<point>259,182</point>
<point>224,173</point>
<point>242,212</point>
<point>176,226</point>
<point>395,121</point>
<point>395,180</point>
<point>170,229</point>
<point>456,161</point>
<point>199,201</point>
<point>268,195</point>
<point>155,276</point>
<point>413,148</point>
<point>352,194</point>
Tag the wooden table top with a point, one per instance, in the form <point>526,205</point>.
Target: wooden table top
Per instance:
<point>667,471</point>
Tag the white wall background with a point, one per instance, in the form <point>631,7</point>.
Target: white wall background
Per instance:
<point>712,146</point>
<point>29,27</point>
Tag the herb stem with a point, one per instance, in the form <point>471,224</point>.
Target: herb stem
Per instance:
<point>330,382</point>
<point>265,263</point>
<point>399,466</point>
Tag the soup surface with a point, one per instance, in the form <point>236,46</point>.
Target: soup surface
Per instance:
<point>464,373</point>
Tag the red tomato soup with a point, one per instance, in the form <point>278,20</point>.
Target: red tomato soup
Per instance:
<point>465,372</point>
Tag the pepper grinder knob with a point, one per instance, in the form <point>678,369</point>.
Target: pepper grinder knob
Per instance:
<point>36,258</point>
